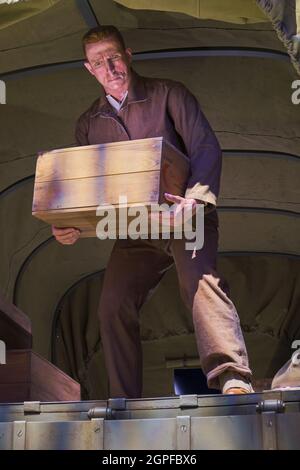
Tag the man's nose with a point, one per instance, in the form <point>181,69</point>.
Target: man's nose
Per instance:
<point>110,66</point>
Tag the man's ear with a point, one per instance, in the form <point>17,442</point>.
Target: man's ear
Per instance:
<point>128,53</point>
<point>89,67</point>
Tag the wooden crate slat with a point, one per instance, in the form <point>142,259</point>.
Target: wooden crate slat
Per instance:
<point>28,376</point>
<point>115,159</point>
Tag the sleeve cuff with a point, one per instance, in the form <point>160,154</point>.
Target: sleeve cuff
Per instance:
<point>202,193</point>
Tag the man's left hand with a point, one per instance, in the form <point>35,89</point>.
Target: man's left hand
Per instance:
<point>182,204</point>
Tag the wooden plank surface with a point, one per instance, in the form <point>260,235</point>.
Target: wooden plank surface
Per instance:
<point>17,367</point>
<point>28,376</point>
<point>85,220</point>
<point>94,191</point>
<point>51,383</point>
<point>14,393</point>
<point>15,314</point>
<point>72,183</point>
<point>15,326</point>
<point>100,160</point>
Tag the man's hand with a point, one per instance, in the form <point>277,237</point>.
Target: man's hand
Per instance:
<point>176,217</point>
<point>182,204</point>
<point>66,236</point>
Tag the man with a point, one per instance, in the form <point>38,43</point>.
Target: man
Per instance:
<point>134,107</point>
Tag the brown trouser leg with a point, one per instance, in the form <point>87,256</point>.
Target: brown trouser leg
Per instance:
<point>134,269</point>
<point>216,322</point>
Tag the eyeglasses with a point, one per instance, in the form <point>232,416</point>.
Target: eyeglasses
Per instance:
<point>100,62</point>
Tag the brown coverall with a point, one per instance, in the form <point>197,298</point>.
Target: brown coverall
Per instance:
<point>155,108</point>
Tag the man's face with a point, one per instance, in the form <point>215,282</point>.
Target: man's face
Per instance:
<point>110,64</point>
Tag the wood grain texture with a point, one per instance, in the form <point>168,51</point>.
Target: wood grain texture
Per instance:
<point>72,183</point>
<point>97,191</point>
<point>28,376</point>
<point>101,160</point>
<point>15,326</point>
<point>87,220</point>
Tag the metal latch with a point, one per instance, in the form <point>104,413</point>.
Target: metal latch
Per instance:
<point>32,407</point>
<point>100,412</point>
<point>188,401</point>
<point>117,404</point>
<point>267,406</point>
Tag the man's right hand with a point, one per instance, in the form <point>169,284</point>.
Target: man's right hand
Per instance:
<point>66,236</point>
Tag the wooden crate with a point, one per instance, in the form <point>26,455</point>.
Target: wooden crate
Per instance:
<point>71,183</point>
<point>26,376</point>
<point>15,326</point>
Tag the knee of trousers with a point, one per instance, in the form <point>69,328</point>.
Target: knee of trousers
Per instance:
<point>116,307</point>
<point>188,291</point>
<point>203,287</point>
